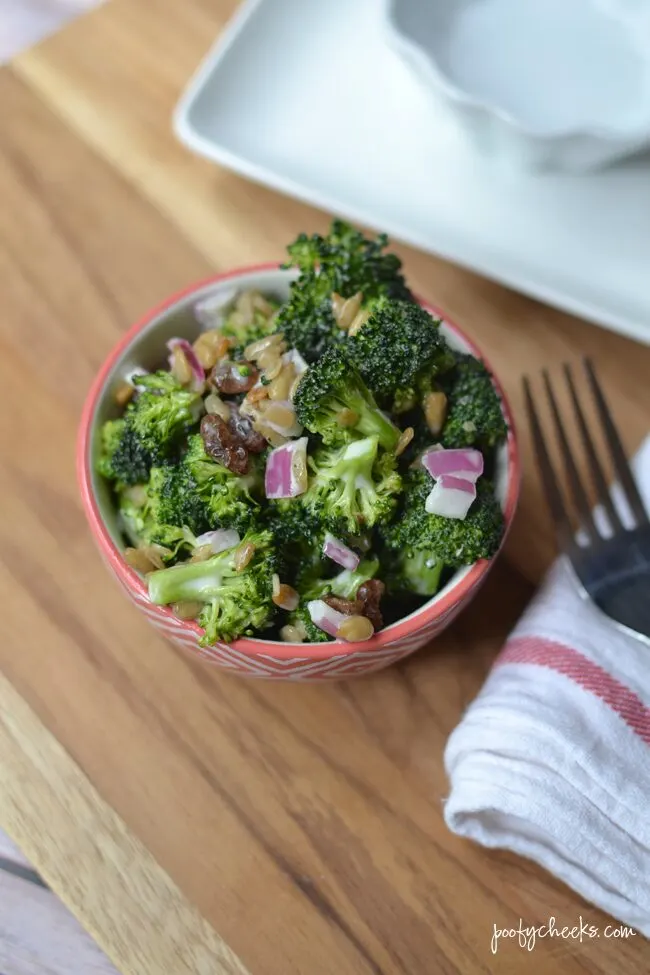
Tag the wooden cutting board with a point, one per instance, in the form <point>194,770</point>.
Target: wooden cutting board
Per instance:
<point>193,822</point>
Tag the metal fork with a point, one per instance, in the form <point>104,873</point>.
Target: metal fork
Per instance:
<point>614,566</point>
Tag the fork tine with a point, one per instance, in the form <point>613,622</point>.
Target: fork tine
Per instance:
<point>549,478</point>
<point>580,498</point>
<point>597,474</point>
<point>621,466</point>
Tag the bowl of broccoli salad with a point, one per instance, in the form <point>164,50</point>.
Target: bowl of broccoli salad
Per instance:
<point>299,471</point>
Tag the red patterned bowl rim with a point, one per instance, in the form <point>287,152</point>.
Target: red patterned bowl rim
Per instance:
<point>251,647</point>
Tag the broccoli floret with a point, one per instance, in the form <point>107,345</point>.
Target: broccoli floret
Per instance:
<point>450,541</point>
<point>187,498</point>
<point>236,602</point>
<point>327,389</point>
<point>142,520</point>
<point>151,429</point>
<point>298,537</point>
<point>350,489</point>
<point>417,572</point>
<point>399,343</point>
<point>111,434</point>
<point>291,523</point>
<point>244,326</point>
<point>174,499</point>
<point>229,499</point>
<point>343,584</point>
<point>343,262</point>
<point>474,414</point>
<point>124,458</point>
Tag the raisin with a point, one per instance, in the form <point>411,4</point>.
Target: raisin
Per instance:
<point>242,428</point>
<point>369,594</point>
<point>351,607</point>
<point>221,444</point>
<point>233,377</point>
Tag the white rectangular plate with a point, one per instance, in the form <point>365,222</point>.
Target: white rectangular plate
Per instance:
<point>306,96</point>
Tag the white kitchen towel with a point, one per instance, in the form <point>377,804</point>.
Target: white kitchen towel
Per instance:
<point>552,759</point>
<point>24,22</point>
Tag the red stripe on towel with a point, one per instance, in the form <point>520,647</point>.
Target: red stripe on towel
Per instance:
<point>588,675</point>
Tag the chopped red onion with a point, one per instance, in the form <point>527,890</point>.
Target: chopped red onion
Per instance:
<point>451,497</point>
<point>338,552</point>
<point>466,463</point>
<point>220,540</point>
<point>324,617</point>
<point>210,311</point>
<point>198,372</point>
<point>286,470</point>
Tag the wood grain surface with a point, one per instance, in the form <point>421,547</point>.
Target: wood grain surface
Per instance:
<point>194,822</point>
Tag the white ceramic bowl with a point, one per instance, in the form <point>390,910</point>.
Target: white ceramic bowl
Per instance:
<point>549,83</point>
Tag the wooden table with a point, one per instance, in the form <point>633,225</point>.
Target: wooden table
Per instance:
<point>193,822</point>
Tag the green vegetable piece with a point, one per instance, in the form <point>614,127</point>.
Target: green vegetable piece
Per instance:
<point>351,488</point>
<point>398,345</point>
<point>449,541</point>
<point>474,414</point>
<point>331,386</point>
<point>342,262</point>
<point>237,602</point>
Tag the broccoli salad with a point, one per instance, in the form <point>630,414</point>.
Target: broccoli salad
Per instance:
<point>311,470</point>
